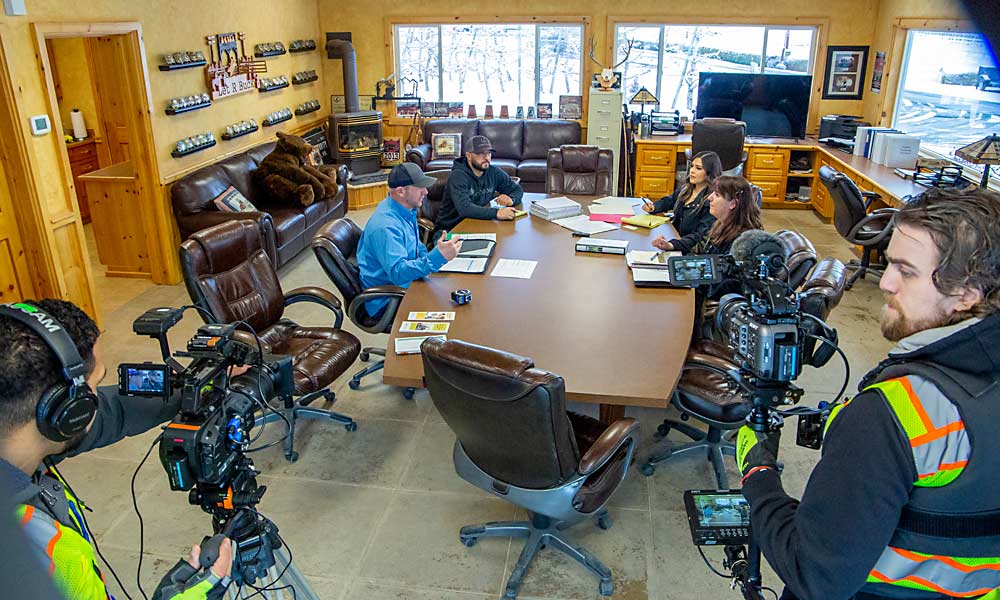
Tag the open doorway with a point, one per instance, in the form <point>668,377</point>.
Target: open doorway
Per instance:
<point>98,77</point>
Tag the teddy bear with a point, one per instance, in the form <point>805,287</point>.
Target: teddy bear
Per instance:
<point>285,174</point>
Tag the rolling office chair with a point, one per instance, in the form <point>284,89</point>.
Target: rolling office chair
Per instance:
<point>800,256</point>
<point>711,388</point>
<point>515,440</point>
<point>725,137</point>
<point>579,169</point>
<point>336,247</point>
<point>872,231</point>
<point>230,277</point>
<point>429,208</point>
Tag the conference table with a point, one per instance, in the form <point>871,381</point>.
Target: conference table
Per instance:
<point>578,316</point>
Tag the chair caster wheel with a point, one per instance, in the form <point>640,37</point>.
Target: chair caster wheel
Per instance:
<point>408,393</point>
<point>510,594</point>
<point>663,430</point>
<point>469,542</point>
<point>351,426</point>
<point>292,456</point>
<point>353,384</point>
<point>647,469</point>
<point>364,356</point>
<point>607,588</point>
<point>604,522</point>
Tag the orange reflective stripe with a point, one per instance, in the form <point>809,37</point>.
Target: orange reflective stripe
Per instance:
<point>50,548</point>
<point>946,467</point>
<point>951,562</point>
<point>930,585</point>
<point>28,512</point>
<point>917,405</point>
<point>934,434</point>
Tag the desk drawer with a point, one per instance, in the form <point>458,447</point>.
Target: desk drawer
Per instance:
<point>656,159</point>
<point>84,166</point>
<point>654,186</point>
<point>82,153</point>
<point>773,190</point>
<point>769,162</point>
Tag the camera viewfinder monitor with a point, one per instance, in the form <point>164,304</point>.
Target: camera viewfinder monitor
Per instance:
<point>693,270</point>
<point>717,517</point>
<point>144,379</point>
<point>771,105</point>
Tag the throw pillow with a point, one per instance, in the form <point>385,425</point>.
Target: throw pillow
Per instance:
<point>232,200</point>
<point>446,145</point>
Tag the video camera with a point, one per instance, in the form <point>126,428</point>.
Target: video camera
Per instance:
<point>203,449</point>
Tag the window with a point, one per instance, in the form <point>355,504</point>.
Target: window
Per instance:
<point>666,59</point>
<point>949,92</point>
<point>512,64</point>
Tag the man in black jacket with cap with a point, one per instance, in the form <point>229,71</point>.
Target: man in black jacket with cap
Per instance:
<point>473,184</point>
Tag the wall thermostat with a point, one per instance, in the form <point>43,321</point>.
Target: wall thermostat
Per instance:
<point>40,125</point>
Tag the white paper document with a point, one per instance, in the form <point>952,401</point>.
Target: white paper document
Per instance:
<point>437,315</point>
<point>477,236</point>
<point>583,224</point>
<point>411,345</point>
<point>423,327</point>
<point>464,265</point>
<point>521,269</point>
<point>649,259</point>
<point>613,205</point>
<point>651,277</point>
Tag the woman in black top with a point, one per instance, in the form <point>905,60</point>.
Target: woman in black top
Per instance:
<point>732,205</point>
<point>690,204</point>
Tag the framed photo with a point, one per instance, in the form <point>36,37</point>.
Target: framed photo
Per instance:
<point>446,145</point>
<point>845,72</point>
<point>338,104</point>
<point>570,107</point>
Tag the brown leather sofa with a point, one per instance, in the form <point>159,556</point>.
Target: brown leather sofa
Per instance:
<point>287,229</point>
<point>520,146</point>
<point>579,169</point>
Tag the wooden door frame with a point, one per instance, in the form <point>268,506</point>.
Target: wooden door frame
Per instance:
<point>155,214</point>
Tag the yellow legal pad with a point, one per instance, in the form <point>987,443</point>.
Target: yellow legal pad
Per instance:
<point>647,221</point>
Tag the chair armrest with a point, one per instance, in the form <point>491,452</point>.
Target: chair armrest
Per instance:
<point>319,296</point>
<point>342,174</point>
<point>869,197</point>
<point>392,292</point>
<point>251,340</point>
<point>708,362</point>
<point>419,154</point>
<point>882,214</point>
<point>426,227</point>
<point>605,447</point>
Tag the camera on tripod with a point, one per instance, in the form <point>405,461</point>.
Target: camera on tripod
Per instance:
<point>203,449</point>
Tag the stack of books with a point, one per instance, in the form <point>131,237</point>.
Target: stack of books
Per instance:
<point>551,209</point>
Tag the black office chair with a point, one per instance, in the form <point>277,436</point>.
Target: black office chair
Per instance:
<point>516,441</point>
<point>872,231</point>
<point>428,211</point>
<point>725,137</point>
<point>336,246</point>
<point>713,390</point>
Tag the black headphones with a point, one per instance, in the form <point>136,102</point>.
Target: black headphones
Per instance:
<point>65,409</point>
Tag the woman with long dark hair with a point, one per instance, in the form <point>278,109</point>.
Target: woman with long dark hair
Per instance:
<point>690,204</point>
<point>732,204</point>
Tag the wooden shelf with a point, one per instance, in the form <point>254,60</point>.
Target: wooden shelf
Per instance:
<point>271,88</point>
<point>177,154</point>
<point>177,111</point>
<point>302,81</point>
<point>307,111</point>
<point>228,137</point>
<point>269,53</point>
<point>188,65</point>
<point>268,122</point>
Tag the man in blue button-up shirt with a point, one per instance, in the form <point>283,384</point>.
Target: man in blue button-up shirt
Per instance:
<point>390,252</point>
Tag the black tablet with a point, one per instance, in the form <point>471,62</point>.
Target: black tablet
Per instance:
<point>717,517</point>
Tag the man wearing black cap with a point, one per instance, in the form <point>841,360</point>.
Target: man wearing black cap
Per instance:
<point>390,252</point>
<point>473,184</point>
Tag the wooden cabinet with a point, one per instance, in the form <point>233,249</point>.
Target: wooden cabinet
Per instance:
<point>655,168</point>
<point>767,168</point>
<point>82,159</point>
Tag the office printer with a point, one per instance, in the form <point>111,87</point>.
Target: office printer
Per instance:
<point>839,127</point>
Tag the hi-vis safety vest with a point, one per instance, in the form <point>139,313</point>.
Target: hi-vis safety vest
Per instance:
<point>948,538</point>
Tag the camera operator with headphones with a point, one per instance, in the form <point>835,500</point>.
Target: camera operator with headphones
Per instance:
<point>903,502</point>
<point>51,408</point>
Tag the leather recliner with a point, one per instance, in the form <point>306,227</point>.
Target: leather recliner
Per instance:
<point>287,228</point>
<point>336,249</point>
<point>520,146</point>
<point>516,441</point>
<point>230,278</point>
<point>712,388</point>
<point>579,169</point>
<point>800,257</point>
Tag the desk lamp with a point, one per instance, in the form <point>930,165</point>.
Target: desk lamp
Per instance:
<point>642,98</point>
<point>984,152</point>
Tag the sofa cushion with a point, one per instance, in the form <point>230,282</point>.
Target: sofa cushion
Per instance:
<point>257,153</point>
<point>540,135</point>
<point>532,170</point>
<point>505,135</point>
<point>509,165</point>
<point>239,169</point>
<point>317,212</point>
<point>289,223</point>
<point>197,192</point>
<point>467,127</point>
<point>441,164</point>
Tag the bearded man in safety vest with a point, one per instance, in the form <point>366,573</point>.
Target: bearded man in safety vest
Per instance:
<point>51,363</point>
<point>905,500</point>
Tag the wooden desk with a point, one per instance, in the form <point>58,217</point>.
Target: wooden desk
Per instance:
<point>578,316</point>
<point>113,193</point>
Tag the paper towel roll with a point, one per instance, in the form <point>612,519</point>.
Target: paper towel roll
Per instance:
<point>79,127</point>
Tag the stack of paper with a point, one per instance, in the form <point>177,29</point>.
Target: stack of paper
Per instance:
<point>651,277</point>
<point>411,345</point>
<point>645,259</point>
<point>551,209</point>
<point>610,205</point>
<point>583,224</point>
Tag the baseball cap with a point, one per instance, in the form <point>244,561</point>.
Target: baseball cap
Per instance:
<point>479,144</point>
<point>409,174</point>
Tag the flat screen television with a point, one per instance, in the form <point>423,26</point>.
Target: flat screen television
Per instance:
<point>771,105</point>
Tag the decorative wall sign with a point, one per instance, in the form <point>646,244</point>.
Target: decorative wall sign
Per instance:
<point>182,60</point>
<point>183,104</point>
<point>267,84</point>
<point>338,103</point>
<point>845,72</point>
<point>302,46</point>
<point>877,72</point>
<point>229,71</point>
<point>304,77</point>
<point>277,116</point>
<point>268,49</point>
<point>307,107</point>
<point>195,143</point>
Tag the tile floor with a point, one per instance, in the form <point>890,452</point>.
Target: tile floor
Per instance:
<point>375,514</point>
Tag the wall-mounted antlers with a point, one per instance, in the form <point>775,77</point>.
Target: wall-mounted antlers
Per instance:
<point>593,47</point>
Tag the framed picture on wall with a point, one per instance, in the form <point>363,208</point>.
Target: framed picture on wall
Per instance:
<point>845,72</point>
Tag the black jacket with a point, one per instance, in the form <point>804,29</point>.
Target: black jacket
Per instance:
<point>691,220</point>
<point>824,545</point>
<point>468,197</point>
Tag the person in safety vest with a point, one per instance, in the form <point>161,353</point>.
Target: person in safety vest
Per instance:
<point>905,499</point>
<point>51,362</point>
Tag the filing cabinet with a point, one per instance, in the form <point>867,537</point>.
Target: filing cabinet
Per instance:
<point>604,126</point>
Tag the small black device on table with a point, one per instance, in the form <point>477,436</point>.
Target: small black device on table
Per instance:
<point>461,296</point>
